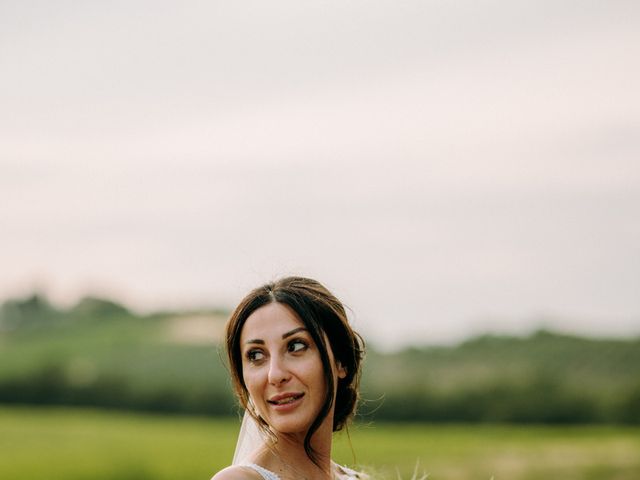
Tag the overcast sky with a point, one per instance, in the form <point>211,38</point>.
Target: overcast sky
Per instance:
<point>447,168</point>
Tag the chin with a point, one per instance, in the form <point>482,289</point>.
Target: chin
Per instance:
<point>291,426</point>
<point>292,423</point>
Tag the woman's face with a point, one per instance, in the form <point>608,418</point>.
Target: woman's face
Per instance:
<point>282,369</point>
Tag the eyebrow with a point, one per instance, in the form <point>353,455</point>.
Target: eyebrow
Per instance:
<point>294,331</point>
<point>284,335</point>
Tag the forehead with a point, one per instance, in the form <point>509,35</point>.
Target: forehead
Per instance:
<point>271,320</point>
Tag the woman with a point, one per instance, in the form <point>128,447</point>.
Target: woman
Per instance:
<point>295,366</point>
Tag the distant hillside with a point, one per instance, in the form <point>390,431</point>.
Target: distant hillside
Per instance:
<point>100,353</point>
<point>544,377</point>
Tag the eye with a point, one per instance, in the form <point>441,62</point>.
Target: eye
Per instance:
<point>297,346</point>
<point>255,355</point>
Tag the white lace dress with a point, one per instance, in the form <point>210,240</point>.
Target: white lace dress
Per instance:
<point>345,473</point>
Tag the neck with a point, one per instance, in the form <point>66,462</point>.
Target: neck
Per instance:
<point>290,460</point>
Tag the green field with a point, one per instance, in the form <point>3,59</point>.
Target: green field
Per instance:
<point>75,444</point>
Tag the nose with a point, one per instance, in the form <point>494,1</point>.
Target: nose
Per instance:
<point>278,373</point>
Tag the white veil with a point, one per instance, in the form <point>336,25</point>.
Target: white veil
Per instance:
<point>250,439</point>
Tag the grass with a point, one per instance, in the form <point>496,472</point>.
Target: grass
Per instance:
<point>503,452</point>
<point>74,444</point>
<point>83,444</point>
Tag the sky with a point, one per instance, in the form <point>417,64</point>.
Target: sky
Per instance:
<point>445,168</point>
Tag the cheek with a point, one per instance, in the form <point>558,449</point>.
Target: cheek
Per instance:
<point>252,381</point>
<point>313,372</point>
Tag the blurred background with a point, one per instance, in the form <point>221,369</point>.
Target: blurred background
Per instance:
<point>465,176</point>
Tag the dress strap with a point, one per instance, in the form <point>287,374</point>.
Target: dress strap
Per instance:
<point>266,474</point>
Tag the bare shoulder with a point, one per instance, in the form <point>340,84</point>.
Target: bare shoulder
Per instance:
<point>237,472</point>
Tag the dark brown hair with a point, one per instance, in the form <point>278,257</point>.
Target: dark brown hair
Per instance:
<point>322,314</point>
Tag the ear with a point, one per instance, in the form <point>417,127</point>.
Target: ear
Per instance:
<point>342,372</point>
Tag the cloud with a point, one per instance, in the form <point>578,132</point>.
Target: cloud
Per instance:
<point>437,163</point>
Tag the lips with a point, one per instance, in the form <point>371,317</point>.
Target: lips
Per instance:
<point>285,398</point>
